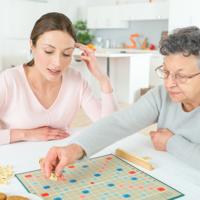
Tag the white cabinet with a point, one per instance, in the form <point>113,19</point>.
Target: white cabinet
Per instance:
<point>145,11</point>
<point>183,13</point>
<point>100,17</point>
<point>118,16</point>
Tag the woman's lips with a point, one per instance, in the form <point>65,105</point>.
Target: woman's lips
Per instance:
<point>174,93</point>
<point>53,71</point>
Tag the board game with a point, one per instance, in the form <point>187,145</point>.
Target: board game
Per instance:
<point>103,178</point>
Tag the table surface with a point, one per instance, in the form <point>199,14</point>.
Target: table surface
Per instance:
<point>24,157</point>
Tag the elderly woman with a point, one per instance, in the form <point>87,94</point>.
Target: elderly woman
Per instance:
<point>174,107</point>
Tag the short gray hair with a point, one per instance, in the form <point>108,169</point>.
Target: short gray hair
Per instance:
<point>183,40</point>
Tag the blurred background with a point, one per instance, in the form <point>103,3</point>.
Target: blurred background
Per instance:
<point>125,35</point>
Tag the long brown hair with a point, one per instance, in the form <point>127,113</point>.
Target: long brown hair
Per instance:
<point>51,22</point>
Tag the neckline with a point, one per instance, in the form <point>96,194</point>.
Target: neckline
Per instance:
<point>32,94</point>
<point>189,112</point>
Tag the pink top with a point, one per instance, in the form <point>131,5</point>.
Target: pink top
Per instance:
<point>20,109</point>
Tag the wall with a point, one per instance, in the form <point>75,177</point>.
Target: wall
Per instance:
<point>151,29</point>
<point>114,2</point>
<point>75,9</point>
<point>188,15</point>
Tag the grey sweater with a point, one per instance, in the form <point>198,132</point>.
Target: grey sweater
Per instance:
<point>155,106</point>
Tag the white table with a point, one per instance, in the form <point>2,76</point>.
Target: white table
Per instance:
<point>24,157</point>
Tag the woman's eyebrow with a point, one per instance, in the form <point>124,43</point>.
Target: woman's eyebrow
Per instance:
<point>49,45</point>
<point>178,70</point>
<point>68,48</point>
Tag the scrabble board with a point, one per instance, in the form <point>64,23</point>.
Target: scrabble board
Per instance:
<point>103,178</point>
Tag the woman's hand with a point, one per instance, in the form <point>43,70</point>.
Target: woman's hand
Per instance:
<point>44,133</point>
<point>58,157</point>
<point>89,58</point>
<point>160,138</point>
<point>93,66</point>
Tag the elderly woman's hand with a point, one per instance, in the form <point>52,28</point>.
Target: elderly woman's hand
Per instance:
<point>160,138</point>
<point>59,157</point>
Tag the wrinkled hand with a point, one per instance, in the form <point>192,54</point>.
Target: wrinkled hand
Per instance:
<point>89,58</point>
<point>45,133</point>
<point>160,138</point>
<point>58,157</point>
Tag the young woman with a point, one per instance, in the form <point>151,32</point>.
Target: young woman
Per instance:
<point>175,107</point>
<point>39,99</point>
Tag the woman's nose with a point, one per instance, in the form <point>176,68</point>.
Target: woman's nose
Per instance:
<point>171,80</point>
<point>57,60</point>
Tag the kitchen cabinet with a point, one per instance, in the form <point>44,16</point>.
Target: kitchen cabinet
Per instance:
<point>100,17</point>
<point>145,11</point>
<point>183,13</point>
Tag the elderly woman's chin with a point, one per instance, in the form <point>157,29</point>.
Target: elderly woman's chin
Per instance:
<point>176,96</point>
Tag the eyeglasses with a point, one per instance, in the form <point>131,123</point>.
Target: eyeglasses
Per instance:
<point>179,78</point>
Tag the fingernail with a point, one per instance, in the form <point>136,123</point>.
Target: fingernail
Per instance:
<point>58,174</point>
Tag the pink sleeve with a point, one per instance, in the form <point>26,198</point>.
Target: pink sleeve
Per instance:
<point>4,133</point>
<point>97,108</point>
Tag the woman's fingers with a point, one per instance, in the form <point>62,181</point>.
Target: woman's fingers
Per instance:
<point>58,132</point>
<point>85,49</point>
<point>56,137</point>
<point>50,162</point>
<point>58,157</point>
<point>85,58</point>
<point>59,168</point>
<point>47,168</point>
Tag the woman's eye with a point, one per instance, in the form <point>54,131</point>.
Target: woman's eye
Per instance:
<point>165,72</point>
<point>48,52</point>
<point>181,76</point>
<point>67,55</point>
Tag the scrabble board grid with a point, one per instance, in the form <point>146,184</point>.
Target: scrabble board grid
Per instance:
<point>102,178</point>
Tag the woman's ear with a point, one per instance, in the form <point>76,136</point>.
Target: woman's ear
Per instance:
<point>31,50</point>
<point>31,43</point>
<point>31,47</point>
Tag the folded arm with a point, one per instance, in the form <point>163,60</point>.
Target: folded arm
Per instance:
<point>185,150</point>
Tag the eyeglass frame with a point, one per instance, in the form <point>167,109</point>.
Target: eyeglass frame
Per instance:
<point>175,74</point>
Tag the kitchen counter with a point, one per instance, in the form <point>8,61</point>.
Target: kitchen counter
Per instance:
<point>125,51</point>
<point>112,53</point>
